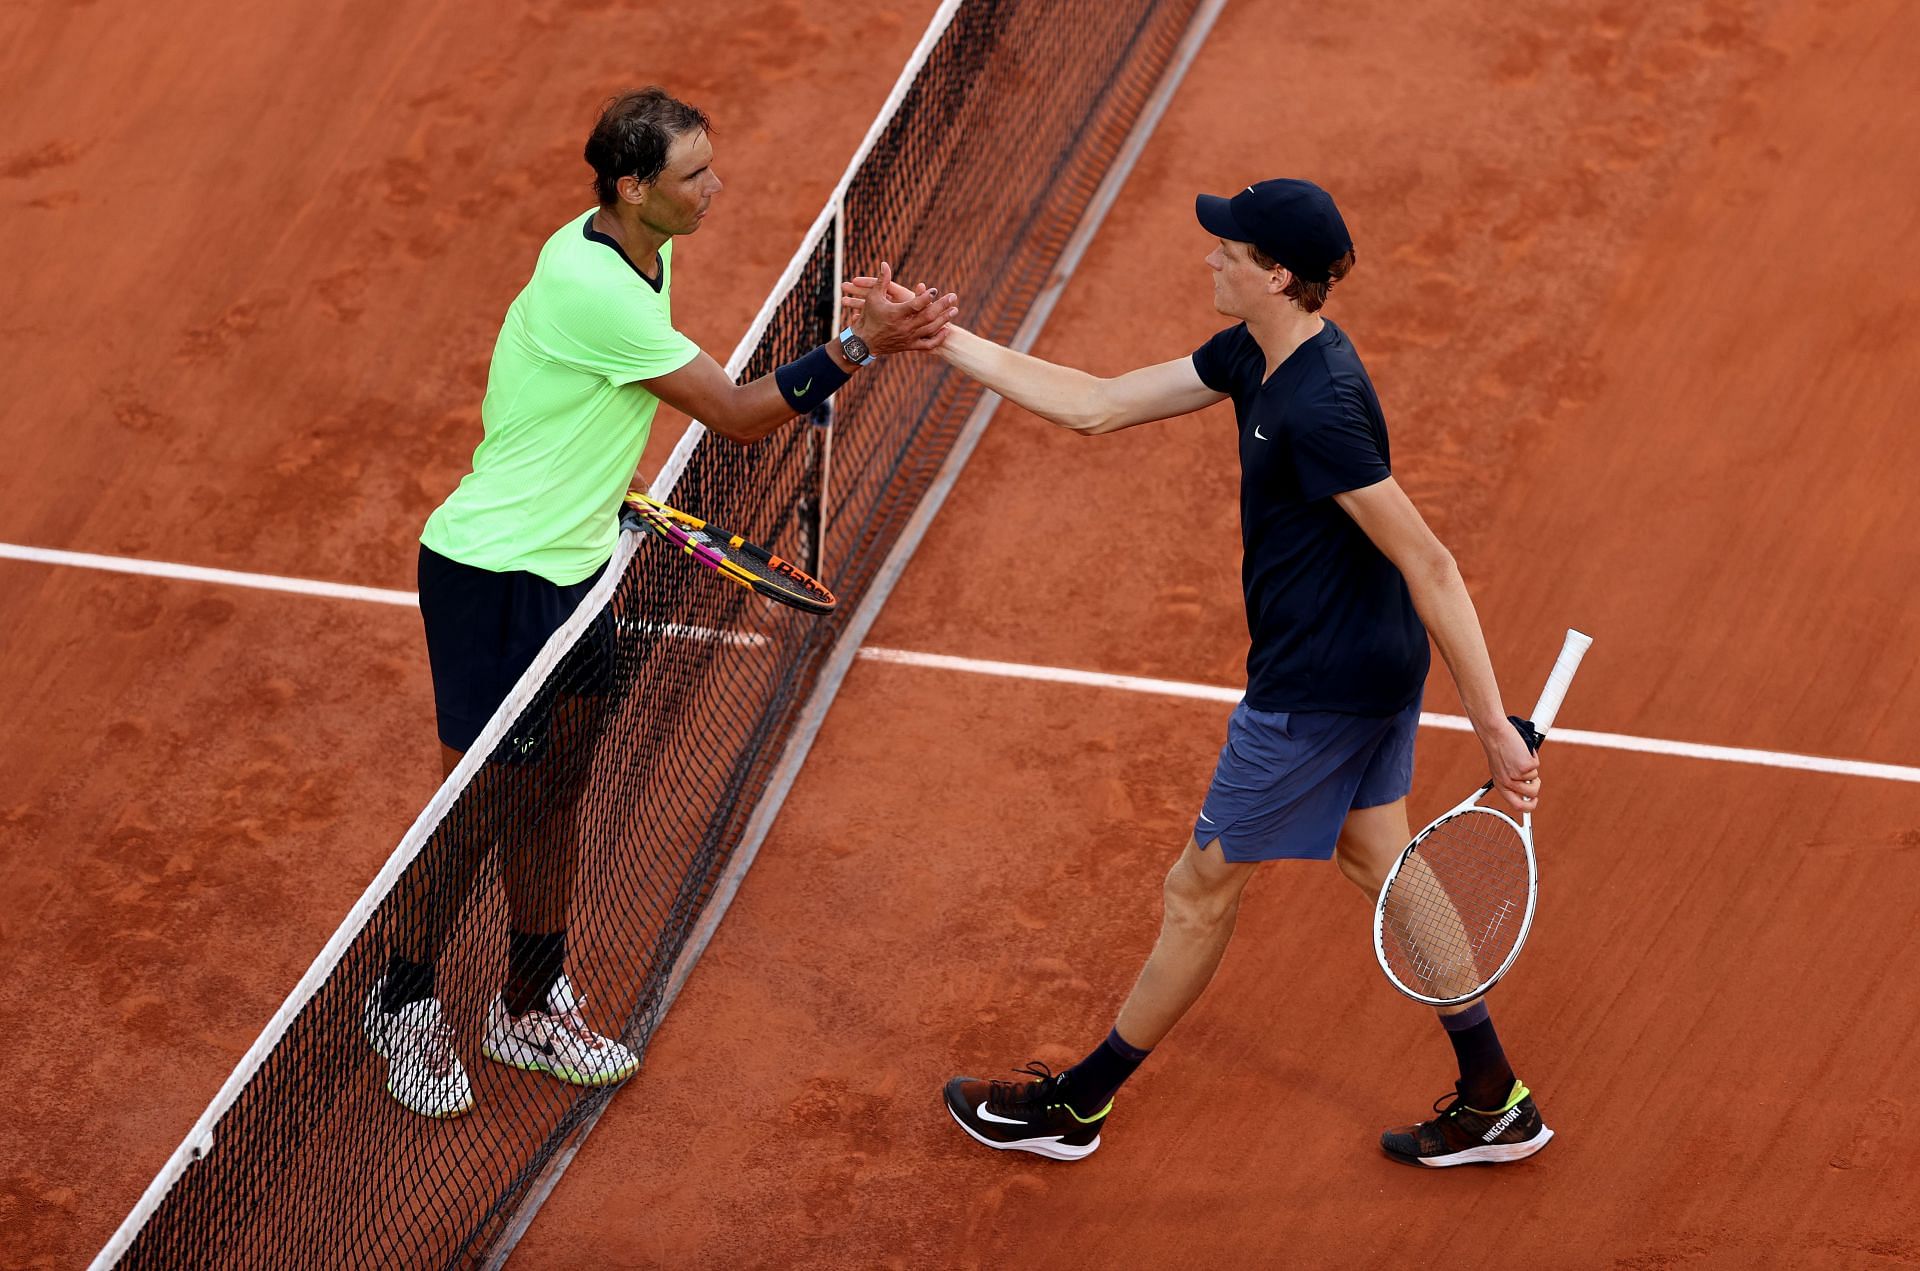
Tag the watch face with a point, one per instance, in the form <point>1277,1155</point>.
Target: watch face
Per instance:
<point>855,347</point>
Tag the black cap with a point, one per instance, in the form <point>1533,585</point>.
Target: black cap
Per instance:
<point>1294,222</point>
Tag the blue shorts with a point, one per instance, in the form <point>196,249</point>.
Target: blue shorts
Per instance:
<point>1286,781</point>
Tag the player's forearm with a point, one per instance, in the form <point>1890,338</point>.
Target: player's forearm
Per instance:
<point>758,408</point>
<point>750,412</point>
<point>1068,397</point>
<point>1440,597</point>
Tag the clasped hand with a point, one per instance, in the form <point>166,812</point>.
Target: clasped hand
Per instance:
<point>893,319</point>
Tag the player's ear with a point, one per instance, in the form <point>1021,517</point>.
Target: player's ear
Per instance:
<point>633,190</point>
<point>1278,280</point>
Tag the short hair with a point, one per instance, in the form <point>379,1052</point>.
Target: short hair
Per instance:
<point>632,136</point>
<point>1308,295</point>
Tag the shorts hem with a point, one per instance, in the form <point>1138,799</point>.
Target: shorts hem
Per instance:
<point>1380,803</point>
<point>1255,855</point>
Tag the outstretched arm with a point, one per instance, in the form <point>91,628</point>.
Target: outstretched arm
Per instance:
<point>1074,399</point>
<point>702,389</point>
<point>1387,516</point>
<point>1065,396</point>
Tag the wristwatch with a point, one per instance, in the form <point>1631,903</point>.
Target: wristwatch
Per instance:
<point>855,348</point>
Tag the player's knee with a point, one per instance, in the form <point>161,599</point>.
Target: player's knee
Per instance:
<point>1192,902</point>
<point>1362,867</point>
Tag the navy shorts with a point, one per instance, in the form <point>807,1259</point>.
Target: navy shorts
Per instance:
<point>483,631</point>
<point>1286,781</point>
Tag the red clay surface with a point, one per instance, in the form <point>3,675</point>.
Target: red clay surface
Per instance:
<point>1636,286</point>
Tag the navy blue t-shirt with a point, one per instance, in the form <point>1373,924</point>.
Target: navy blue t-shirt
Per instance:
<point>1332,623</point>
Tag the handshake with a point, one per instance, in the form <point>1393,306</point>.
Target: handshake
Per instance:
<point>891,318</point>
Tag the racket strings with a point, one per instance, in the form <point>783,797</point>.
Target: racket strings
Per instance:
<point>1458,905</point>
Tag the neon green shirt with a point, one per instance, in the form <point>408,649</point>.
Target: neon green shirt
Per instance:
<point>565,420</point>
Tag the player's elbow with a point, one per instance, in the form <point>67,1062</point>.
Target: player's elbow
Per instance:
<point>1433,569</point>
<point>1098,410</point>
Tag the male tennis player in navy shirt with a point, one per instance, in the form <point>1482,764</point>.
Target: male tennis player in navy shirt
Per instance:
<point>1343,581</point>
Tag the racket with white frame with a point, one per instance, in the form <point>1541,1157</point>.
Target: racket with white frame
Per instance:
<point>1458,903</point>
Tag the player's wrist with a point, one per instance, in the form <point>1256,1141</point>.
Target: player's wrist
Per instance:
<point>809,380</point>
<point>854,347</point>
<point>840,359</point>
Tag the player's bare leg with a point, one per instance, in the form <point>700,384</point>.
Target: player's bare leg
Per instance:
<point>1060,1115</point>
<point>1200,902</point>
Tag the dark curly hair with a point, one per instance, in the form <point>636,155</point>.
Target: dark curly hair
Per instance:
<point>632,137</point>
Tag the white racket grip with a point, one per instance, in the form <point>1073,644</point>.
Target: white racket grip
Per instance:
<point>1562,676</point>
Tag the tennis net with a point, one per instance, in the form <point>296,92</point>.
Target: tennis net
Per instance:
<point>618,779</point>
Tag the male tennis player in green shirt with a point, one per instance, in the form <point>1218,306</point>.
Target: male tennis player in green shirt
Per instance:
<point>588,351</point>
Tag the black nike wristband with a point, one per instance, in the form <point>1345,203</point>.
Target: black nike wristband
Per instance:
<point>807,381</point>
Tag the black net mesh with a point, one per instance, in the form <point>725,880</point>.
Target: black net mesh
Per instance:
<point>620,788</point>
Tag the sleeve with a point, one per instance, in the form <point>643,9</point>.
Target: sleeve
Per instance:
<point>1214,361</point>
<point>1338,445</point>
<point>628,337</point>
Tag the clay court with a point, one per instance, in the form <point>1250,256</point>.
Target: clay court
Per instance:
<point>1637,286</point>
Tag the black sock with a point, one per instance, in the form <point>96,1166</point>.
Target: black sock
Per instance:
<point>405,983</point>
<point>1486,1078</point>
<point>1090,1084</point>
<point>534,962</point>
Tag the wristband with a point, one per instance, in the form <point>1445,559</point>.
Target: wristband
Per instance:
<point>807,381</point>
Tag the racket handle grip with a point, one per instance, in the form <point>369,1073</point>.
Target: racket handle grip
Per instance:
<point>1560,679</point>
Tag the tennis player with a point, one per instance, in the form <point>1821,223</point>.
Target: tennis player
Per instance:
<point>1344,582</point>
<point>588,351</point>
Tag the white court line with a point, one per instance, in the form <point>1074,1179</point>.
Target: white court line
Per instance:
<point>305,586</point>
<point>1003,670</point>
<point>1428,719</point>
<point>201,574</point>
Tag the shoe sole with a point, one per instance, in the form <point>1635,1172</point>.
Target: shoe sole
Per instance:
<point>1052,1149</point>
<point>567,1075</point>
<point>447,1115</point>
<point>379,1048</point>
<point>1491,1154</point>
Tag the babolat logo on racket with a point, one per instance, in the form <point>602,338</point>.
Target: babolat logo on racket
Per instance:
<point>782,567</point>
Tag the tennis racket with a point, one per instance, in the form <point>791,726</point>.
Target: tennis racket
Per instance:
<point>728,555</point>
<point>1458,903</point>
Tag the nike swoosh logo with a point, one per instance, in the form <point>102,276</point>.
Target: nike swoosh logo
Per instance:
<point>988,1116</point>
<point>1206,818</point>
<point>1256,428</point>
<point>802,390</point>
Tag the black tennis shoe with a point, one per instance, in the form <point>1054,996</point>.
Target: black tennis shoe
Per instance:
<point>1026,1116</point>
<point>1460,1135</point>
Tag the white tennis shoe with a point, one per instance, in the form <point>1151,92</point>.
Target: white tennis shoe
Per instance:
<point>557,1040</point>
<point>423,1072</point>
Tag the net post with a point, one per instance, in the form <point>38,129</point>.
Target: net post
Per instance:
<point>823,419</point>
